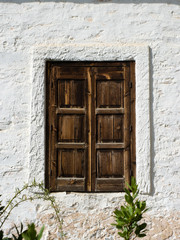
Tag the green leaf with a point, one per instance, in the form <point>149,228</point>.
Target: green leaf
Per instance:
<point>120,223</point>
<point>130,210</point>
<point>122,234</point>
<point>139,228</point>
<point>128,216</point>
<point>143,226</point>
<point>1,234</point>
<point>118,213</point>
<point>1,208</point>
<point>39,236</point>
<point>125,212</point>
<point>128,186</point>
<point>31,234</point>
<point>134,186</point>
<point>129,199</point>
<point>143,205</point>
<point>142,235</point>
<point>127,191</point>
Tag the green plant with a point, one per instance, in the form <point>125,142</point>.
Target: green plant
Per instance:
<point>31,234</point>
<point>18,235</point>
<point>130,214</point>
<point>20,196</point>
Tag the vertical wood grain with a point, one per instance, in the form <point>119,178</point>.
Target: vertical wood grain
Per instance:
<point>127,125</point>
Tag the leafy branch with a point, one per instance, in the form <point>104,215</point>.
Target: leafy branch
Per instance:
<point>19,198</point>
<point>128,217</point>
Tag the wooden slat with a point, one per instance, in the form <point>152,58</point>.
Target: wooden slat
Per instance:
<point>127,126</point>
<point>69,73</point>
<point>71,145</point>
<point>52,129</point>
<point>110,163</point>
<point>133,119</point>
<point>71,93</point>
<point>109,73</point>
<point>110,128</point>
<point>71,184</point>
<point>70,111</point>
<point>110,93</point>
<point>89,128</point>
<point>109,185</point>
<point>105,128</point>
<point>109,145</point>
<point>109,110</point>
<point>93,134</point>
<point>71,128</point>
<point>71,163</point>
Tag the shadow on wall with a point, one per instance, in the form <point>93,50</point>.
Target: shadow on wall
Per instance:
<point>96,1</point>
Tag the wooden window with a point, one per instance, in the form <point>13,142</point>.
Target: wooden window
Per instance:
<point>90,130</point>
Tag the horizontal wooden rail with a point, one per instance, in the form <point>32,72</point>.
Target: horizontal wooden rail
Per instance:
<point>71,145</point>
<point>109,110</point>
<point>109,145</point>
<point>70,111</point>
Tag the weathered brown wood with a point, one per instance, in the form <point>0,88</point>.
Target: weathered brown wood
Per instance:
<point>64,145</point>
<point>109,185</point>
<point>70,73</point>
<point>109,73</point>
<point>70,110</point>
<point>93,130</point>
<point>105,128</point>
<point>71,93</point>
<point>70,162</point>
<point>110,163</point>
<point>127,125</point>
<point>52,129</point>
<point>71,128</point>
<point>109,94</point>
<point>133,119</point>
<point>110,128</point>
<point>81,96</point>
<point>89,128</point>
<point>70,184</point>
<point>109,145</point>
<point>109,110</point>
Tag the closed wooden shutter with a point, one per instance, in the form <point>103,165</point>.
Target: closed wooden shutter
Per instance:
<point>90,144</point>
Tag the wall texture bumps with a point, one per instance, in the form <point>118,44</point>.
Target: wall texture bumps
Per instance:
<point>107,27</point>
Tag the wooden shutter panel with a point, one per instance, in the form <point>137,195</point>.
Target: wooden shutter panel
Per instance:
<point>112,111</point>
<point>90,114</point>
<point>67,126</point>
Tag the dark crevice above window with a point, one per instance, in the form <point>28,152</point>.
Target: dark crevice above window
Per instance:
<point>94,1</point>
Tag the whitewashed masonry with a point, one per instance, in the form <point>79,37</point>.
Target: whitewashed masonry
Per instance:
<point>148,32</point>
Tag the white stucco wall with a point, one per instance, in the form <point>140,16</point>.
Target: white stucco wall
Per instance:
<point>145,31</point>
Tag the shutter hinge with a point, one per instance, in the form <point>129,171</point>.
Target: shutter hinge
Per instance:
<point>130,84</point>
<point>51,128</point>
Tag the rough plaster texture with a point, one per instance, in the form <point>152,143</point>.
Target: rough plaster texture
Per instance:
<point>101,52</point>
<point>148,32</point>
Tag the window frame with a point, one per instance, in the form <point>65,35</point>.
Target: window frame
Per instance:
<point>131,171</point>
<point>140,53</point>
